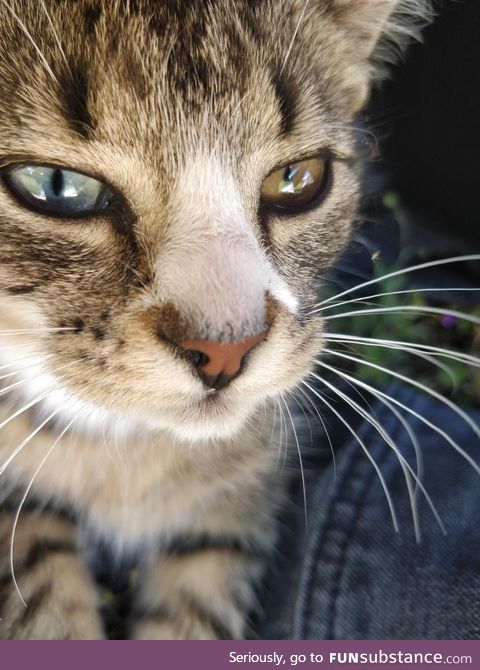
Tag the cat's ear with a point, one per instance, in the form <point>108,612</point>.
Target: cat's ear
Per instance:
<point>384,24</point>
<point>373,33</point>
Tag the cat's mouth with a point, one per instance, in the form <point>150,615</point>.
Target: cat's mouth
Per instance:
<point>215,415</point>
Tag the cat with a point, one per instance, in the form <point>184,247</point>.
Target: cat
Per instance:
<point>174,178</point>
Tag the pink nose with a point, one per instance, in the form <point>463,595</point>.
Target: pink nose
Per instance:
<point>219,362</point>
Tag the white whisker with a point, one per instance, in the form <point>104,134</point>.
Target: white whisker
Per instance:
<point>407,469</point>
<point>414,352</point>
<point>10,387</point>
<point>30,404</point>
<point>283,437</point>
<point>55,34</point>
<point>418,459</point>
<point>292,41</point>
<point>15,363</point>
<point>25,30</point>
<point>373,341</point>
<point>22,502</point>
<point>292,394</point>
<point>391,293</point>
<point>423,387</point>
<point>33,402</point>
<point>365,450</point>
<point>396,273</point>
<point>18,371</point>
<point>18,449</point>
<point>421,418</point>
<point>302,473</point>
<point>26,380</point>
<point>388,440</point>
<point>408,309</point>
<point>334,462</point>
<point>26,331</point>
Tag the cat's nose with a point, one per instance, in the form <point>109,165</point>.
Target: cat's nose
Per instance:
<point>218,363</point>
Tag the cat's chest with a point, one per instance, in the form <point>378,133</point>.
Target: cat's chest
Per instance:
<point>127,490</point>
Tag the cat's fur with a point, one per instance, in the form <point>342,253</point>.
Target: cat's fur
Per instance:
<point>184,108</point>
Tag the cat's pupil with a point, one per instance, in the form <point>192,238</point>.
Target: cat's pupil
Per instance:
<point>290,173</point>
<point>295,180</point>
<point>57,182</point>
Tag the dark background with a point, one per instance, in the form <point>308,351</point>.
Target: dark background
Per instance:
<point>427,117</point>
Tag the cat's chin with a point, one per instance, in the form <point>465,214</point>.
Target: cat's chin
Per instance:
<point>210,419</point>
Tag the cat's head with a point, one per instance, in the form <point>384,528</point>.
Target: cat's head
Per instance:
<point>175,176</point>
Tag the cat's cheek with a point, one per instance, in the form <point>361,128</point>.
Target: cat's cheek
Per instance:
<point>285,358</point>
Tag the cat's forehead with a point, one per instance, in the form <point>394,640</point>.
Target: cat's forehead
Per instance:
<point>146,71</point>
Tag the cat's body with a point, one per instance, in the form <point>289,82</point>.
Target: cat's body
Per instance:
<point>155,442</point>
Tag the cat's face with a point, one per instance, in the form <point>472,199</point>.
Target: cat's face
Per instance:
<point>183,109</point>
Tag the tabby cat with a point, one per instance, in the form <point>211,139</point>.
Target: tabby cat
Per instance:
<point>174,177</point>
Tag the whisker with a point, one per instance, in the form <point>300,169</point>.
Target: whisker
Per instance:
<point>373,341</point>
<point>365,450</point>
<point>19,448</point>
<point>391,293</point>
<point>18,371</point>
<point>30,404</point>
<point>320,417</point>
<point>25,30</point>
<point>26,331</point>
<point>409,309</point>
<point>423,387</point>
<point>33,402</point>
<point>292,394</point>
<point>15,385</point>
<point>414,352</point>
<point>15,363</point>
<point>22,502</point>
<point>292,42</point>
<point>55,35</point>
<point>396,273</point>
<point>388,440</point>
<point>302,473</point>
<point>357,129</point>
<point>13,347</point>
<point>418,458</point>
<point>274,423</point>
<point>421,418</point>
<point>407,469</point>
<point>26,380</point>
<point>282,437</point>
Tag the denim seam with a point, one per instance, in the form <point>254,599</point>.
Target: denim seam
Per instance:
<point>355,458</point>
<point>349,533</point>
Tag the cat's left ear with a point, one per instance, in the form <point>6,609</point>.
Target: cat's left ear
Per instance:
<point>372,33</point>
<point>369,22</point>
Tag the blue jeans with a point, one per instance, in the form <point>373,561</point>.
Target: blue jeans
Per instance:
<point>350,575</point>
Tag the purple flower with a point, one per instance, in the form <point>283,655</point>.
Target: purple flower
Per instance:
<point>448,321</point>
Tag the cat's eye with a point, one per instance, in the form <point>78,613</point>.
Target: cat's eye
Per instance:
<point>58,192</point>
<point>296,186</point>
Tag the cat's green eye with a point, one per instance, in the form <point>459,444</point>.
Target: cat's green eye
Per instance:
<point>296,186</point>
<point>58,192</point>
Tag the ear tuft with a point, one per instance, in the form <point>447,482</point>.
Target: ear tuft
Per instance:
<point>381,28</point>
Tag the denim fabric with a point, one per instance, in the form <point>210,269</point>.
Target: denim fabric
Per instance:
<point>350,575</point>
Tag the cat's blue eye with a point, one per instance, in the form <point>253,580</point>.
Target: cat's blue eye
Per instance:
<point>58,192</point>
